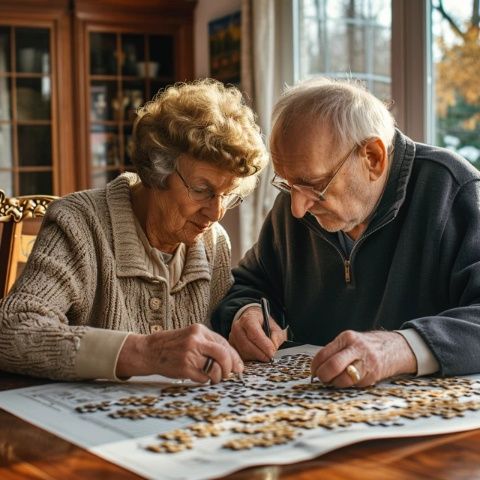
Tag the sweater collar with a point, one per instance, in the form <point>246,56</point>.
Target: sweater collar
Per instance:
<point>397,182</point>
<point>128,248</point>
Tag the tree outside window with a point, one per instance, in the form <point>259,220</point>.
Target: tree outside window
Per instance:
<point>456,66</point>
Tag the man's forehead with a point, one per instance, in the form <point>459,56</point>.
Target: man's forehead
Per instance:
<point>300,140</point>
<point>308,150</point>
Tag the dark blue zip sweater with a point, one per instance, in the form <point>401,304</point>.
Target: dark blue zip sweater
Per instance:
<point>417,265</point>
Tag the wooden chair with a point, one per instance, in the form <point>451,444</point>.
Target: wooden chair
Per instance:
<point>17,216</point>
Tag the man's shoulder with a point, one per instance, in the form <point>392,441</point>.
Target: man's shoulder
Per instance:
<point>445,162</point>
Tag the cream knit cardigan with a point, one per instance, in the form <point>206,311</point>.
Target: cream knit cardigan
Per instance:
<point>86,284</point>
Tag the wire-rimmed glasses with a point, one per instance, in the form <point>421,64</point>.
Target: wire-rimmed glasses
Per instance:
<point>310,191</point>
<point>203,195</point>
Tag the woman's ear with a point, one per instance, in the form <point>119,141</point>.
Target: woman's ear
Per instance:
<point>376,158</point>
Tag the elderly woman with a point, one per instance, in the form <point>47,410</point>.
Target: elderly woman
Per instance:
<point>122,280</point>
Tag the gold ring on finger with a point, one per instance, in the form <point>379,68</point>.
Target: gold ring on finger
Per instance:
<point>353,373</point>
<point>208,365</point>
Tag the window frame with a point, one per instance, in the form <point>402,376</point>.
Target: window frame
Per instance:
<point>411,70</point>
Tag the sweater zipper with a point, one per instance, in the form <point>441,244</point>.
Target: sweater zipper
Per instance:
<point>356,245</point>
<point>347,262</point>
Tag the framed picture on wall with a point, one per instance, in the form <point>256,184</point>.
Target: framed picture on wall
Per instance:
<point>224,44</point>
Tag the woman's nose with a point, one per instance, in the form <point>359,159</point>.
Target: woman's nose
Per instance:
<point>215,209</point>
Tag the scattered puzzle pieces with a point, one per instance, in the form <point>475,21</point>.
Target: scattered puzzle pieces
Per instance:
<point>275,403</point>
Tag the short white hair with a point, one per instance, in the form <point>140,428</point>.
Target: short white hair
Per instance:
<point>350,112</point>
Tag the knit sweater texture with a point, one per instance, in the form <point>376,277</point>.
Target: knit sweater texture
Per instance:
<point>87,278</point>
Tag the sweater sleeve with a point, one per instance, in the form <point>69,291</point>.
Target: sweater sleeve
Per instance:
<point>452,335</point>
<point>37,332</point>
<point>220,258</point>
<point>257,275</point>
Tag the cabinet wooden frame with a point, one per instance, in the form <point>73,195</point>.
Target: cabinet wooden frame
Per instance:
<point>70,22</point>
<point>150,17</point>
<point>53,15</point>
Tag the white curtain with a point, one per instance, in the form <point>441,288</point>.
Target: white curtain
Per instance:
<point>6,129</point>
<point>267,65</point>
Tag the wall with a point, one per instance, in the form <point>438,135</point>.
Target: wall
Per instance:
<point>206,11</point>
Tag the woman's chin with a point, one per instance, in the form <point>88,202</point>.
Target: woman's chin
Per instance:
<point>194,233</point>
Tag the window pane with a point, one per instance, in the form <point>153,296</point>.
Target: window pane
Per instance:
<point>133,48</point>
<point>32,49</point>
<point>35,183</point>
<point>161,55</point>
<point>5,99</point>
<point>4,50</point>
<point>382,52</point>
<point>6,182</point>
<point>34,145</point>
<point>343,38</point>
<point>6,157</point>
<point>33,98</point>
<point>103,58</point>
<point>104,102</point>
<point>133,98</point>
<point>101,178</point>
<point>455,56</point>
<point>104,144</point>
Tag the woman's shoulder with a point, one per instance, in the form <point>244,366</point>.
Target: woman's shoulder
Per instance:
<point>79,207</point>
<point>217,237</point>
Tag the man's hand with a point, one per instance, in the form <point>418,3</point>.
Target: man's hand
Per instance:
<point>180,353</point>
<point>375,355</point>
<point>249,339</point>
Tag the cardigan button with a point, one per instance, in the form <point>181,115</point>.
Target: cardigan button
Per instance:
<point>156,328</point>
<point>155,303</point>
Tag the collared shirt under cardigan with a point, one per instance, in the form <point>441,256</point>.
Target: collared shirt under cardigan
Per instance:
<point>90,280</point>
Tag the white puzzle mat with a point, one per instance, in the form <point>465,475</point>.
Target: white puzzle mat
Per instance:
<point>164,429</point>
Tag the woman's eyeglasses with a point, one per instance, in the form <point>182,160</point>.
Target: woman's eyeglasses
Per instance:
<point>202,194</point>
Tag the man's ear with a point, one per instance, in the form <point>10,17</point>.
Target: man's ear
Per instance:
<point>375,156</point>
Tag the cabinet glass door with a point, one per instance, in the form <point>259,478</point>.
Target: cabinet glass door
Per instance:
<point>126,70</point>
<point>26,158</point>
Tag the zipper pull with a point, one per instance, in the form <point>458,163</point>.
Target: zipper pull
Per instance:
<point>346,264</point>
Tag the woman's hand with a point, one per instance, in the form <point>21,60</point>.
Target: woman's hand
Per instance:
<point>375,355</point>
<point>180,353</point>
<point>248,336</point>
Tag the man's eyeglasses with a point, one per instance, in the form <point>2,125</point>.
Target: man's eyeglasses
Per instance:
<point>202,194</point>
<point>310,191</point>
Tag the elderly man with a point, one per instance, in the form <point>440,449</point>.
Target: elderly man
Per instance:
<point>371,249</point>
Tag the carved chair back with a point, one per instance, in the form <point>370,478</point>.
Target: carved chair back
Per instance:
<point>16,241</point>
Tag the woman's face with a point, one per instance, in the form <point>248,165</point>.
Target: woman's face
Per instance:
<point>173,217</point>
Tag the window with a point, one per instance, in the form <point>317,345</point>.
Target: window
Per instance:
<point>342,38</point>
<point>455,47</point>
<point>435,47</point>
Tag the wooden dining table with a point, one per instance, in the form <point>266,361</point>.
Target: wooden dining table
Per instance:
<point>28,452</point>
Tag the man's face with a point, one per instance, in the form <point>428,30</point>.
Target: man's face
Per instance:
<point>306,155</point>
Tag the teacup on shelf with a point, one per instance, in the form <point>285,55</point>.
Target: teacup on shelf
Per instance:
<point>147,69</point>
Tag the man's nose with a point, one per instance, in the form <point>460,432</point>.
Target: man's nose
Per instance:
<point>300,203</point>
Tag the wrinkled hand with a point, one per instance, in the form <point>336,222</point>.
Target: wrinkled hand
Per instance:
<point>376,355</point>
<point>179,353</point>
<point>249,339</point>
